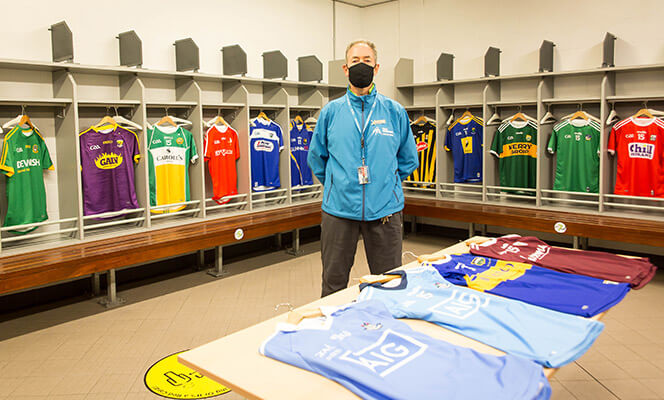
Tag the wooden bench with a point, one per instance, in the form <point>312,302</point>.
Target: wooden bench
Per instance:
<point>579,225</point>
<point>33,269</point>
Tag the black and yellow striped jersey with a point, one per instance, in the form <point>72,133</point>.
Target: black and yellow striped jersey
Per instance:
<point>425,139</point>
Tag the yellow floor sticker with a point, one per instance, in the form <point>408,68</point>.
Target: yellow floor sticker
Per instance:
<point>170,379</point>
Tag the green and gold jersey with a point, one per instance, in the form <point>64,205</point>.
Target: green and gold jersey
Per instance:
<point>24,157</point>
<point>169,154</point>
<point>515,144</point>
<point>576,143</point>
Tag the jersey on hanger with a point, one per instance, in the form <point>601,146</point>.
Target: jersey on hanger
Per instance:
<point>515,144</point>
<point>464,140</point>
<point>300,138</point>
<point>547,337</point>
<point>635,271</point>
<point>425,140</point>
<point>222,149</point>
<point>24,157</point>
<point>170,152</point>
<point>639,147</point>
<point>568,293</point>
<point>107,169</point>
<point>363,348</point>
<point>576,143</point>
<point>266,141</point>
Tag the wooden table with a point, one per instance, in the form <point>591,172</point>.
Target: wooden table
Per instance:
<point>234,360</point>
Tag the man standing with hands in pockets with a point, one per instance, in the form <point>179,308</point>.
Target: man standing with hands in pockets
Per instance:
<point>361,151</point>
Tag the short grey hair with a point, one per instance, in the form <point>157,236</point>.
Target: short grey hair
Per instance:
<point>362,41</point>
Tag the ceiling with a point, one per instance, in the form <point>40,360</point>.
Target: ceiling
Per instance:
<point>363,3</point>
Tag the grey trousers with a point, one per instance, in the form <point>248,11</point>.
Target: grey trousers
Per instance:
<point>382,243</point>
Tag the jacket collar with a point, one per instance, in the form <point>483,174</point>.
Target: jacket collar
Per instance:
<point>367,99</point>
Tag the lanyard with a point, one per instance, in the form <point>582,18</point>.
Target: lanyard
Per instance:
<point>357,123</point>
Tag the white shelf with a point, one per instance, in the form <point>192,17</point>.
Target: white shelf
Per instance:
<point>512,103</point>
<point>305,108</point>
<point>170,104</point>
<point>577,100</point>
<point>461,105</point>
<point>634,98</point>
<point>267,106</point>
<point>45,102</point>
<point>232,106</point>
<point>421,107</point>
<point>108,103</point>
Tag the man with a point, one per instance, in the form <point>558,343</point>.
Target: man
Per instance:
<point>361,150</point>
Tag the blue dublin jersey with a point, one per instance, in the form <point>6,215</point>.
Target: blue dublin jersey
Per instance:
<point>362,347</point>
<point>547,337</point>
<point>569,293</point>
<point>464,140</point>
<point>300,138</point>
<point>266,141</point>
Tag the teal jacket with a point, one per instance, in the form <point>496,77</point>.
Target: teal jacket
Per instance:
<point>335,153</point>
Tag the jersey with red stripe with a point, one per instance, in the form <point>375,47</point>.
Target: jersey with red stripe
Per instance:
<point>639,147</point>
<point>221,152</point>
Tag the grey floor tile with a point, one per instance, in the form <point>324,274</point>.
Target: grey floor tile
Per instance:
<point>629,389</point>
<point>588,390</point>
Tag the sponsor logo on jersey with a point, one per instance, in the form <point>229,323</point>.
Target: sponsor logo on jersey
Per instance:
<point>156,141</point>
<point>390,352</point>
<point>119,143</point>
<point>19,150</point>
<point>32,162</point>
<point>368,326</point>
<point>503,271</point>
<point>519,149</point>
<point>653,138</point>
<point>263,145</point>
<point>641,150</point>
<point>35,149</point>
<point>95,147</point>
<point>108,161</point>
<point>377,121</point>
<point>421,146</point>
<point>223,152</point>
<point>459,305</point>
<point>107,142</point>
<point>299,148</point>
<point>179,140</point>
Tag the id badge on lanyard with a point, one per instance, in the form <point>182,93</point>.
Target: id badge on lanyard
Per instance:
<point>363,170</point>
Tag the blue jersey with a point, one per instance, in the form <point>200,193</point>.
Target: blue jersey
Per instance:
<point>362,347</point>
<point>568,293</point>
<point>547,337</point>
<point>300,138</point>
<point>464,140</point>
<point>266,141</point>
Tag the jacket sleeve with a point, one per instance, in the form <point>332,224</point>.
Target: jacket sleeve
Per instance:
<point>318,154</point>
<point>407,154</point>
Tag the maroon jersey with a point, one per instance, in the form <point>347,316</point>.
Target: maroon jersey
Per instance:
<point>529,249</point>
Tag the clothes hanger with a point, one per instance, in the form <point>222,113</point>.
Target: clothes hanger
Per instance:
<point>548,117</point>
<point>17,120</point>
<point>495,118</point>
<point>613,116</point>
<point>298,120</point>
<point>120,120</point>
<point>643,113</point>
<point>585,116</point>
<point>421,120</point>
<point>450,119</point>
<point>105,121</point>
<point>466,115</point>
<point>263,116</point>
<point>166,119</point>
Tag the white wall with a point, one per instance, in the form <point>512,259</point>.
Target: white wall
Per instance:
<point>296,27</point>
<point>422,29</point>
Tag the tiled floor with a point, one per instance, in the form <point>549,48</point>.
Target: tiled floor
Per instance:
<point>82,351</point>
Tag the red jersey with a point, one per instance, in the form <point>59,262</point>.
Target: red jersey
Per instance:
<point>639,144</point>
<point>221,151</point>
<point>529,249</point>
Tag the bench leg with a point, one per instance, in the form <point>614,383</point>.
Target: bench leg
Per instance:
<point>218,271</point>
<point>295,250</point>
<point>471,230</point>
<point>112,299</point>
<point>96,286</point>
<point>200,259</point>
<point>584,243</point>
<point>277,241</point>
<point>575,244</point>
<point>483,230</point>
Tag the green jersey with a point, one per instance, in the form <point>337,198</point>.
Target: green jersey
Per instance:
<point>515,144</point>
<point>24,157</point>
<point>577,161</point>
<point>169,154</point>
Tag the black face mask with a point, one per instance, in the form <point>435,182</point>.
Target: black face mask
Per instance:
<point>361,75</point>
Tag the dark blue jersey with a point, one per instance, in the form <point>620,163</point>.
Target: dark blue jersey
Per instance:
<point>464,140</point>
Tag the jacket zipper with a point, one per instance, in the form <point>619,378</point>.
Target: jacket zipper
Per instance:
<point>329,192</point>
<point>396,181</point>
<point>362,152</point>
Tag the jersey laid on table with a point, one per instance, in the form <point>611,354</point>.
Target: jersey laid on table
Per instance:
<point>515,144</point>
<point>170,151</point>
<point>547,337</point>
<point>425,140</point>
<point>464,140</point>
<point>635,271</point>
<point>300,138</point>
<point>222,149</point>
<point>568,293</point>
<point>576,143</point>
<point>363,348</point>
<point>266,141</point>
<point>639,147</point>
<point>108,155</point>
<point>23,159</point>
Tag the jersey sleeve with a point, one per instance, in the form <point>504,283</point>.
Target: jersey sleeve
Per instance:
<point>136,151</point>
<point>448,140</point>
<point>281,137</point>
<point>193,153</point>
<point>496,145</point>
<point>611,147</point>
<point>553,142</point>
<point>207,151</point>
<point>46,162</point>
<point>236,148</point>
<point>6,159</point>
